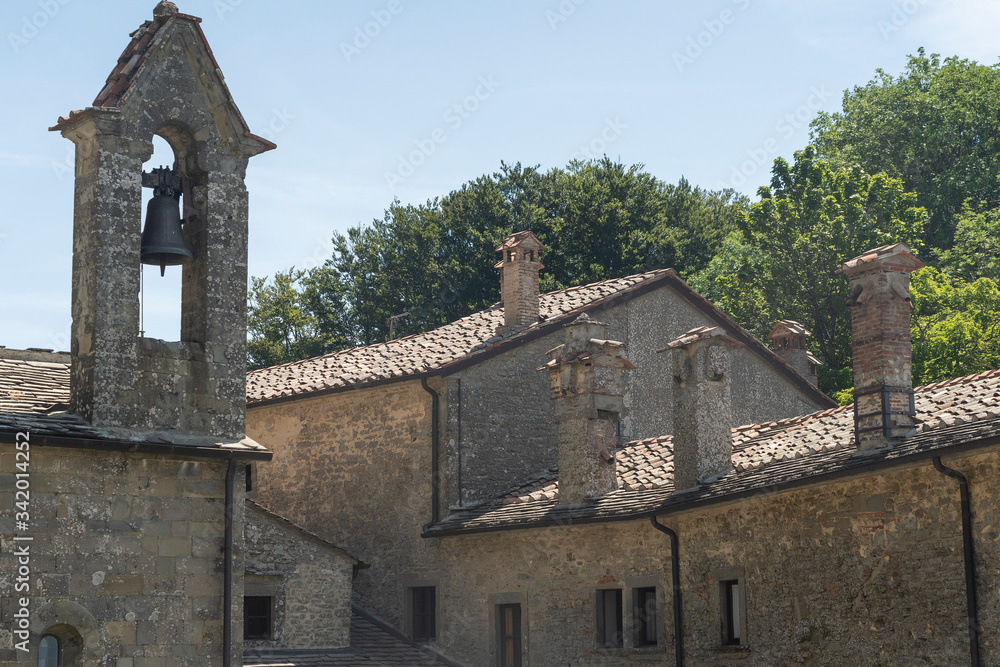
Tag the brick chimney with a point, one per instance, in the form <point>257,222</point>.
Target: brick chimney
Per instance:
<point>788,338</point>
<point>519,280</point>
<point>587,404</point>
<point>703,437</point>
<point>880,342</point>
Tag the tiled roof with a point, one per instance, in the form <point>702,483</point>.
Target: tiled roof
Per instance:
<point>953,413</point>
<point>34,397</point>
<point>373,644</point>
<point>430,351</point>
<point>288,523</point>
<point>137,56</point>
<point>32,386</point>
<point>466,339</point>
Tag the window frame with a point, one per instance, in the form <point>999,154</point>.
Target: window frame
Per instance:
<point>732,606</point>
<point>59,650</point>
<point>502,638</point>
<point>428,612</point>
<point>601,604</point>
<point>642,620</point>
<point>270,618</point>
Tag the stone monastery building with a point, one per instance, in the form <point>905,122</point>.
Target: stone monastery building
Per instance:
<point>610,474</point>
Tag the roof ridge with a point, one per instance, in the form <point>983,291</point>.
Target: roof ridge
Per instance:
<point>646,275</point>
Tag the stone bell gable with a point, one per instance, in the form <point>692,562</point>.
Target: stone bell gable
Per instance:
<point>166,83</point>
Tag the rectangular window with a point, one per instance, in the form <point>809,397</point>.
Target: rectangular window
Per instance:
<point>731,600</point>
<point>257,617</point>
<point>609,618</point>
<point>509,635</point>
<point>422,613</point>
<point>644,603</point>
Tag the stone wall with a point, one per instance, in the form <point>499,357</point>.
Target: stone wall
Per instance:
<point>355,468</point>
<point>310,582</point>
<point>861,572</point>
<point>500,426</point>
<point>129,549</point>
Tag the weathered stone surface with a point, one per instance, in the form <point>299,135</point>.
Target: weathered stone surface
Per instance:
<point>309,581</point>
<point>703,438</point>
<point>880,343</point>
<point>118,379</point>
<point>106,554</point>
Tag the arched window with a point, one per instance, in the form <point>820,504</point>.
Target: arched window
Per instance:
<point>49,650</point>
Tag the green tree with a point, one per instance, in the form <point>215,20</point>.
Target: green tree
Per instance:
<point>810,220</point>
<point>599,220</point>
<point>955,326</point>
<point>976,253</point>
<point>936,127</point>
<point>296,315</point>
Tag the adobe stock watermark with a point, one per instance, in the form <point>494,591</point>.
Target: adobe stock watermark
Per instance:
<point>31,25</point>
<point>763,156</point>
<point>901,14</point>
<point>597,148</point>
<point>280,120</point>
<point>364,34</point>
<point>562,13</point>
<point>223,7</point>
<point>22,541</point>
<point>454,118</point>
<point>704,39</point>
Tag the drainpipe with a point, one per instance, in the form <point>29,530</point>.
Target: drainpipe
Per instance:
<point>227,577</point>
<point>970,558</point>
<point>435,462</point>
<point>675,571</point>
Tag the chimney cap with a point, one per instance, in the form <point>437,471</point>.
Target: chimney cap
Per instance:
<point>700,334</point>
<point>523,239</point>
<point>902,258</point>
<point>788,327</point>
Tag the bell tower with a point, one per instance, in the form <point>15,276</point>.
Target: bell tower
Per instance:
<point>166,83</point>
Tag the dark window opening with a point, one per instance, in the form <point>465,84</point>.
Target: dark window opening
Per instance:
<point>732,602</point>
<point>249,478</point>
<point>609,618</point>
<point>257,617</point>
<point>509,635</point>
<point>49,650</point>
<point>645,616</point>
<point>422,613</point>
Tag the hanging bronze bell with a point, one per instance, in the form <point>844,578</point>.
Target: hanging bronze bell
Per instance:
<point>162,239</point>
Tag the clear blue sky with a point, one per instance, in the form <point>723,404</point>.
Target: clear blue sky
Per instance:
<point>695,89</point>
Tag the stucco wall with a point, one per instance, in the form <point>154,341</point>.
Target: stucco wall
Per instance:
<point>311,584</point>
<point>134,540</point>
<point>865,572</point>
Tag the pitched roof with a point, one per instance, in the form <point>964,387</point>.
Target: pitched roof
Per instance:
<point>34,396</point>
<point>32,386</point>
<point>474,338</point>
<point>138,55</point>
<point>373,644</point>
<point>291,525</point>
<point>960,412</point>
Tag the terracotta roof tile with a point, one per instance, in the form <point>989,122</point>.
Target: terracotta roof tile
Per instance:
<point>426,352</point>
<point>951,412</point>
<point>32,386</point>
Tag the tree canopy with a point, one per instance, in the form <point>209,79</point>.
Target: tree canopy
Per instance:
<point>935,127</point>
<point>784,262</point>
<point>598,219</point>
<point>912,158</point>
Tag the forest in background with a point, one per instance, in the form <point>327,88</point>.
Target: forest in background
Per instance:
<point>913,158</point>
